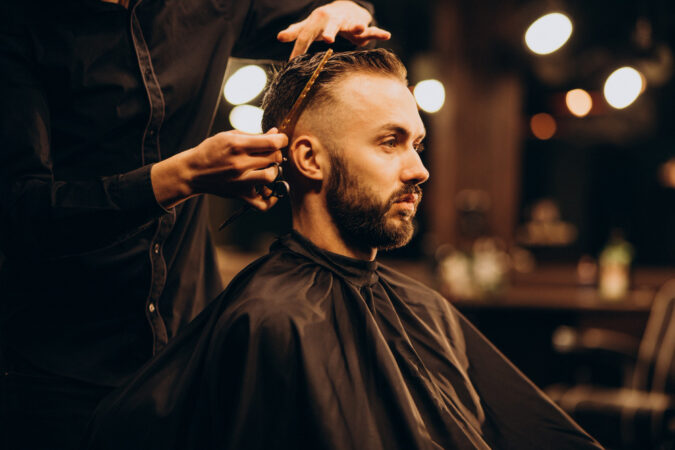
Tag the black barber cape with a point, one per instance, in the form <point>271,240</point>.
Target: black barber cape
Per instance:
<point>309,349</point>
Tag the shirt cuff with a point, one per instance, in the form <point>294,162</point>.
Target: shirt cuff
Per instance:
<point>133,192</point>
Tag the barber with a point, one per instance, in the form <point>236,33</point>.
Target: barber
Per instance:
<point>106,108</point>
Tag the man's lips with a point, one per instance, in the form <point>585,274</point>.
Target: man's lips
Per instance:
<point>408,198</point>
<point>408,203</point>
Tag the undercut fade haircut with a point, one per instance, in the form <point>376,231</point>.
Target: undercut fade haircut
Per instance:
<point>289,81</point>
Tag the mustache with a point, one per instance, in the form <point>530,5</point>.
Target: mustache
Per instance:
<point>407,189</point>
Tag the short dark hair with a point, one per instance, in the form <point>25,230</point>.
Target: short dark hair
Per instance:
<point>289,81</point>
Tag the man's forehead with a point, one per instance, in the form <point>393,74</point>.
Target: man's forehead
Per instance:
<point>384,102</point>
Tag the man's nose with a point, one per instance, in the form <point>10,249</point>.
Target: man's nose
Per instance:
<point>414,171</point>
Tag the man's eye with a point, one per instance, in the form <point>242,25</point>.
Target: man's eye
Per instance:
<point>419,148</point>
<point>390,143</point>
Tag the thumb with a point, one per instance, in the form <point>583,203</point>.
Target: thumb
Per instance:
<point>259,202</point>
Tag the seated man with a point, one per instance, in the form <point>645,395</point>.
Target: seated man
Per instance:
<point>317,345</point>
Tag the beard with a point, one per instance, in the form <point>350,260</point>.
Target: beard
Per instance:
<point>361,218</point>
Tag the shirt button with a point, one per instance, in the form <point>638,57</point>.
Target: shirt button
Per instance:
<point>151,132</point>
<point>156,249</point>
<point>151,307</point>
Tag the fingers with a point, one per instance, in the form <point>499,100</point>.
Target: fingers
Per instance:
<point>375,33</point>
<point>304,40</point>
<point>367,35</point>
<point>254,143</point>
<point>330,31</point>
<point>246,165</point>
<point>261,177</point>
<point>325,22</point>
<point>262,196</point>
<point>354,27</point>
<point>261,203</point>
<point>291,33</point>
<point>235,131</point>
<point>240,153</point>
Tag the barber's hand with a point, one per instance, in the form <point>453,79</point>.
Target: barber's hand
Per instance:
<point>347,18</point>
<point>228,164</point>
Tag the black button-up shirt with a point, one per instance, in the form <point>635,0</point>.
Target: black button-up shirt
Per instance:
<point>97,276</point>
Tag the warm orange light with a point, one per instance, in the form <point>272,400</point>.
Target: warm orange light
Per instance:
<point>543,126</point>
<point>668,173</point>
<point>579,102</point>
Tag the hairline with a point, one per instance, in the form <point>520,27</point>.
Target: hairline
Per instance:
<point>326,95</point>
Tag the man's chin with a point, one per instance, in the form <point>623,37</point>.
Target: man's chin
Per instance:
<point>400,241</point>
<point>398,234</point>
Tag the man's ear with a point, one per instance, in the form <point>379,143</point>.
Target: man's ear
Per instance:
<point>309,157</point>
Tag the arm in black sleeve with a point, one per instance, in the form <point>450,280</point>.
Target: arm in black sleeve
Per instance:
<point>41,214</point>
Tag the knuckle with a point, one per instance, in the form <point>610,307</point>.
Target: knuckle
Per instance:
<point>222,138</point>
<point>209,143</point>
<point>236,165</point>
<point>233,140</point>
<point>321,13</point>
<point>225,142</point>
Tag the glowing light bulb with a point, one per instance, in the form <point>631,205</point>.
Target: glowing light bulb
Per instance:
<point>247,118</point>
<point>623,87</point>
<point>548,33</point>
<point>430,95</point>
<point>245,84</point>
<point>579,102</point>
<point>543,126</point>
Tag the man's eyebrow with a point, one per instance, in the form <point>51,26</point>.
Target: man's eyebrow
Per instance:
<point>398,129</point>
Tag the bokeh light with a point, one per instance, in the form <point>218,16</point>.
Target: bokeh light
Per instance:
<point>430,95</point>
<point>543,126</point>
<point>548,33</point>
<point>667,173</point>
<point>579,102</point>
<point>247,118</point>
<point>623,87</point>
<point>245,84</point>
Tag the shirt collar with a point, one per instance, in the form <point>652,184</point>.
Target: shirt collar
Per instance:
<point>357,271</point>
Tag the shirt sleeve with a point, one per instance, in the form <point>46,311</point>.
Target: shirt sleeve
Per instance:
<point>39,212</point>
<point>266,18</point>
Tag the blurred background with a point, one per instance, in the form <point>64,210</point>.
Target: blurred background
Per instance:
<point>549,217</point>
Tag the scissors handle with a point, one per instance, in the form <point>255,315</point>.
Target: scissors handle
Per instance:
<point>279,188</point>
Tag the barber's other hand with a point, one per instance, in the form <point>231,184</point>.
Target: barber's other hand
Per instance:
<point>347,18</point>
<point>228,164</point>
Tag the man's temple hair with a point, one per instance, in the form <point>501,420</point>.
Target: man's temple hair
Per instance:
<point>288,124</point>
<point>290,80</point>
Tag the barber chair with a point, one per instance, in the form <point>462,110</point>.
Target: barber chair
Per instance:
<point>639,413</point>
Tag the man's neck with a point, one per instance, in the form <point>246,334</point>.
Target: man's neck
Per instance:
<point>315,224</point>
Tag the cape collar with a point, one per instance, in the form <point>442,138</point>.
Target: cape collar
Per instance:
<point>358,272</point>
